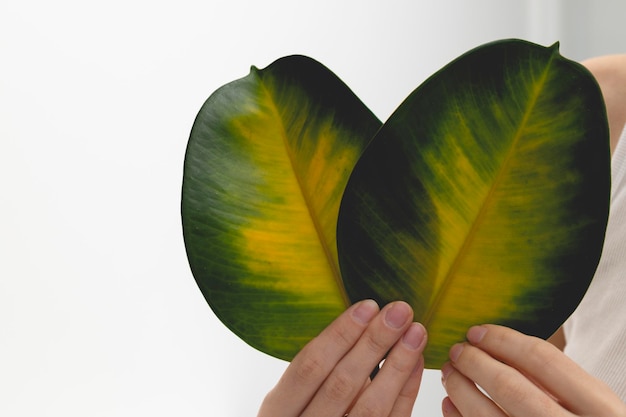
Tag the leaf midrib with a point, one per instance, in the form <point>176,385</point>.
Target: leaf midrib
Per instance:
<point>318,228</point>
<point>480,217</point>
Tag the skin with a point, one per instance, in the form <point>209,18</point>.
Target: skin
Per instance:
<point>519,375</point>
<point>522,375</point>
<point>330,376</point>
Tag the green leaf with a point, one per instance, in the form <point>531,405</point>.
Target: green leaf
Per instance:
<point>484,198</point>
<point>266,166</point>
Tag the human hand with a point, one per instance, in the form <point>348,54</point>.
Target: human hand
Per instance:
<point>330,376</point>
<point>523,376</point>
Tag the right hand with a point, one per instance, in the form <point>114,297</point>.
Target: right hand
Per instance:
<point>330,376</point>
<point>520,375</point>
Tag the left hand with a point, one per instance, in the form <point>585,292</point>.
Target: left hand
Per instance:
<point>330,375</point>
<point>522,376</point>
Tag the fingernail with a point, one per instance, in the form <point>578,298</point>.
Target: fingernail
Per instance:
<point>446,370</point>
<point>414,336</point>
<point>397,315</point>
<point>365,311</point>
<point>455,352</point>
<point>475,334</point>
<point>448,407</point>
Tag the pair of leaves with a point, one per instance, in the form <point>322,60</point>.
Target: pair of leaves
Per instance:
<point>483,198</point>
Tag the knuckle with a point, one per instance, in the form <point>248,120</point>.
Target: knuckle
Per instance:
<point>371,409</point>
<point>270,401</point>
<point>267,400</point>
<point>497,336</point>
<point>376,344</point>
<point>398,365</point>
<point>540,351</point>
<point>339,387</point>
<point>541,355</point>
<point>535,347</point>
<point>310,370</point>
<point>509,387</point>
<point>342,337</point>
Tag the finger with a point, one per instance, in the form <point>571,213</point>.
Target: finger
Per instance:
<point>448,409</point>
<point>406,399</point>
<point>396,384</point>
<point>310,368</point>
<point>464,398</point>
<point>346,379</point>
<point>507,386</point>
<point>574,388</point>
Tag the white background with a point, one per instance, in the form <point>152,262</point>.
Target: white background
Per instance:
<point>99,314</point>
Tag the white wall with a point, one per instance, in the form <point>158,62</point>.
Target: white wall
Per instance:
<point>99,315</point>
<point>591,28</point>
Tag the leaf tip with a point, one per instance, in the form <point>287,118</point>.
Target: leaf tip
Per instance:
<point>555,47</point>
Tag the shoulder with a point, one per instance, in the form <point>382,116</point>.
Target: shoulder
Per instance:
<point>610,72</point>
